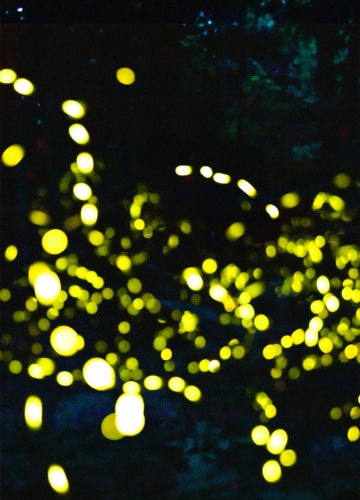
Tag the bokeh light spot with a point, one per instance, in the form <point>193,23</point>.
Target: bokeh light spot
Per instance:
<point>33,412</point>
<point>82,191</point>
<point>290,200</point>
<point>288,458</point>
<point>24,86</point>
<point>260,435</point>
<point>261,322</point>
<point>221,178</point>
<point>13,155</point>
<point>74,109</point>
<point>271,471</point>
<point>183,170</point>
<point>54,241</point>
<point>85,162</point>
<point>89,214</point>
<point>7,76</point>
<point>57,479</point>
<point>206,171</point>
<point>353,433</point>
<point>47,287</point>
<point>65,340</point>
<point>126,76</point>
<point>247,188</point>
<point>65,378</point>
<point>109,429</point>
<point>98,374</point>
<point>11,253</point>
<point>235,231</point>
<point>129,410</point>
<point>272,210</point>
<point>192,393</point>
<point>153,382</point>
<point>79,134</point>
<point>277,441</point>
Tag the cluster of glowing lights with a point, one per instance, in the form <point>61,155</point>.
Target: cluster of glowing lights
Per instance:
<point>275,442</point>
<point>229,285</point>
<point>22,86</point>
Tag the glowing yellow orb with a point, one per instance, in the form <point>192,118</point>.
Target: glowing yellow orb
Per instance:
<point>260,435</point>
<point>98,374</point>
<point>271,471</point>
<point>57,479</point>
<point>33,412</point>
<point>277,442</point>
<point>47,287</point>
<point>221,178</point>
<point>235,231</point>
<point>65,378</point>
<point>89,214</point>
<point>13,155</point>
<point>82,191</point>
<point>272,210</point>
<point>126,76</point>
<point>129,409</point>
<point>85,163</point>
<point>35,270</point>
<point>23,86</point>
<point>193,278</point>
<point>288,458</point>
<point>323,284</point>
<point>206,171</point>
<point>261,322</point>
<point>11,253</point>
<point>79,134</point>
<point>109,429</point>
<point>64,340</point>
<point>7,76</point>
<point>247,188</point>
<point>290,200</point>
<point>54,241</point>
<point>153,382</point>
<point>353,433</point>
<point>183,170</point>
<point>176,384</point>
<point>74,109</point>
<point>209,266</point>
<point>192,393</point>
